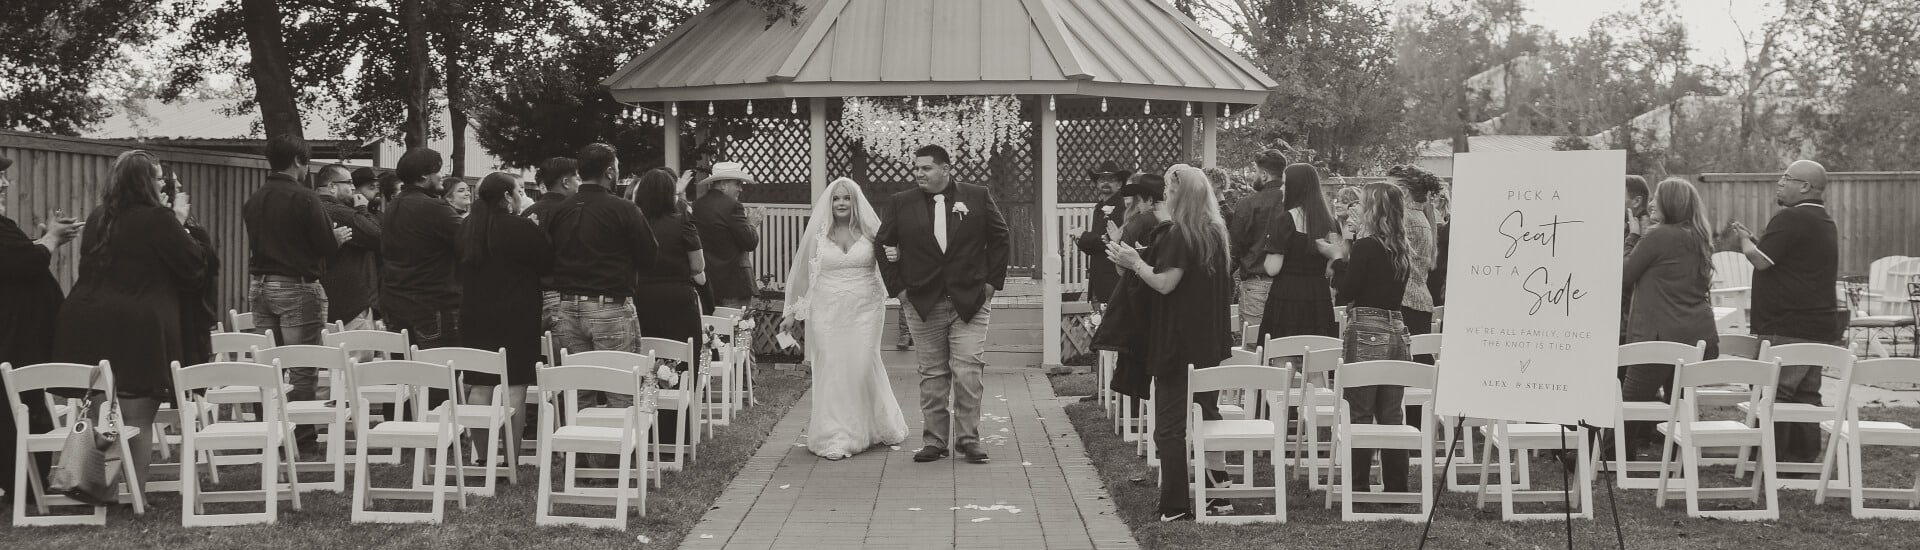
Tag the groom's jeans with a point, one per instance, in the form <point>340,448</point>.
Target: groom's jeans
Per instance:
<point>952,353</point>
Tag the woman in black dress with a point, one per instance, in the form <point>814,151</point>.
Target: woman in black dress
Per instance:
<point>502,257</point>
<point>666,296</point>
<point>136,261</point>
<point>1188,270</point>
<point>1300,244</point>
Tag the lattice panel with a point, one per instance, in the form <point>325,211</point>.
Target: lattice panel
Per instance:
<point>774,149</point>
<point>1139,142</point>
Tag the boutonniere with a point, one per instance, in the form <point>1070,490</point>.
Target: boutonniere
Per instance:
<point>1106,210</point>
<point>961,209</point>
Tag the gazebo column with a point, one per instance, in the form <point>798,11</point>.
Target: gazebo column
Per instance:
<point>817,144</point>
<point>670,142</point>
<point>1209,135</point>
<point>1050,239</point>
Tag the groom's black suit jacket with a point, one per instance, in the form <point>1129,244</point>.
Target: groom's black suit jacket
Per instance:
<point>976,255</point>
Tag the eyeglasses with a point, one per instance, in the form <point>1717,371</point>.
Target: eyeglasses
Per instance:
<point>1784,179</point>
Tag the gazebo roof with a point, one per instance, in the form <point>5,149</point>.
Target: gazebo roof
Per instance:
<point>1142,49</point>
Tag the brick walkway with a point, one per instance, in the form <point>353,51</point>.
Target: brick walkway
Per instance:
<point>1040,478</point>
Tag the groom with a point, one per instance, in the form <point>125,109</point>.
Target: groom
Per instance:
<point>946,250</point>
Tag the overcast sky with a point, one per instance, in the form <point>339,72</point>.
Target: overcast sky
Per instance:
<point>1711,28</point>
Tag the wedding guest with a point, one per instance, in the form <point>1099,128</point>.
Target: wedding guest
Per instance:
<point>1442,224</point>
<point>1144,195</point>
<point>1248,224</point>
<point>1796,263</point>
<point>1108,213</point>
<point>418,253</point>
<point>353,273</point>
<point>1374,291</point>
<point>289,241</point>
<point>1190,268</point>
<point>502,257</point>
<point>367,183</point>
<point>600,242</point>
<point>1419,187</point>
<point>32,297</point>
<point>1124,329</point>
<point>458,194</point>
<point>136,260</point>
<point>1636,224</point>
<point>559,176</point>
<point>666,298</point>
<point>727,229</point>
<point>389,184</point>
<point>1668,273</point>
<point>1301,240</point>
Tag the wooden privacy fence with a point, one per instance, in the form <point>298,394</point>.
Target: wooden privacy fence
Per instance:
<point>1878,213</point>
<point>781,230</point>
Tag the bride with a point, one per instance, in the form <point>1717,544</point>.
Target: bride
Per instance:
<point>834,286</point>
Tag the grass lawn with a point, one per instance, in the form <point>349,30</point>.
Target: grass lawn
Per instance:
<point>501,521</point>
<point>1457,524</point>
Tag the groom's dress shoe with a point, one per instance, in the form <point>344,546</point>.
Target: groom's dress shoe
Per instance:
<point>974,454</point>
<point>929,454</point>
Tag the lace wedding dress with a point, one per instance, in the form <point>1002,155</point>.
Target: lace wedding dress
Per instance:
<point>853,404</point>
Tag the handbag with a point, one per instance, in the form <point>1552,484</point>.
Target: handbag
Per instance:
<point>86,472</point>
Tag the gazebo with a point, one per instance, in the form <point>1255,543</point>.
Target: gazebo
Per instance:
<point>1133,81</point>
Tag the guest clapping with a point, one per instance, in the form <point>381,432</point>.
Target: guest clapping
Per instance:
<point>32,297</point>
<point>1669,273</point>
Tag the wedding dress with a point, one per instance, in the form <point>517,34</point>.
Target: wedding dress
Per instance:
<point>841,298</point>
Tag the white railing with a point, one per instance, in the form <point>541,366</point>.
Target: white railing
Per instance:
<point>780,233</point>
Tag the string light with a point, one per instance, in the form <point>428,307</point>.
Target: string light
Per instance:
<point>1103,105</point>
<point>1149,108</point>
<point>794,108</point>
<point>676,108</point>
<point>1189,108</point>
<point>709,108</point>
<point>1050,103</point>
<point>919,103</point>
<point>749,107</point>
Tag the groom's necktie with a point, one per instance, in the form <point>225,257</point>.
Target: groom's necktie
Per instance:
<point>940,221</point>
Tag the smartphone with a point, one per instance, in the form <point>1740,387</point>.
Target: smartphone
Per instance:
<point>170,185</point>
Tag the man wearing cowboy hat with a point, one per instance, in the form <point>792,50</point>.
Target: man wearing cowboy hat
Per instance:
<point>1108,213</point>
<point>728,234</point>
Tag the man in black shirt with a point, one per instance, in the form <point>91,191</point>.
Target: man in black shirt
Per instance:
<point>600,242</point>
<point>1796,263</point>
<point>1247,231</point>
<point>354,272</point>
<point>290,240</point>
<point>418,291</point>
<point>1109,212</point>
<point>560,176</point>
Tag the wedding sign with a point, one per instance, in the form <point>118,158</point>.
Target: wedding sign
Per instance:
<point>1533,287</point>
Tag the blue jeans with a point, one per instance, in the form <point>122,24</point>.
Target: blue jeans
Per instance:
<point>296,313</point>
<point>1374,334</point>
<point>589,326</point>
<point>952,355</point>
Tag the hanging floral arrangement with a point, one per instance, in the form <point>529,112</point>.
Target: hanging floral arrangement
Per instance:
<point>894,127</point>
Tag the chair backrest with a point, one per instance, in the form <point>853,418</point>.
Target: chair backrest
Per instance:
<point>563,378</point>
<point>1320,361</point>
<point>1242,356</point>
<point>240,322</point>
<point>1879,281</point>
<point>1386,372</point>
<point>465,359</point>
<point>1880,371</point>
<point>239,346</point>
<point>419,374</point>
<point>1665,353</point>
<point>623,360</point>
<point>662,348</point>
<point>304,356</point>
<point>1439,318</point>
<point>225,373</point>
<point>1741,345</point>
<point>1824,355</point>
<point>722,326</point>
<point>1249,334</point>
<point>730,313</point>
<point>1731,370</point>
<point>1234,377</point>
<point>1731,270</point>
<point>390,345</point>
<point>52,376</point>
<point>1424,344</point>
<point>1296,346</point>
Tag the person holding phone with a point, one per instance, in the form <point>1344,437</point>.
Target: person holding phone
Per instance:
<point>32,297</point>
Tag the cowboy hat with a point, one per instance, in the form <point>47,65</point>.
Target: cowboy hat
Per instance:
<point>1109,169</point>
<point>728,171</point>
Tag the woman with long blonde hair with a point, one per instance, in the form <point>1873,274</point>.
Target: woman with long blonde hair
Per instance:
<point>1668,273</point>
<point>1187,267</point>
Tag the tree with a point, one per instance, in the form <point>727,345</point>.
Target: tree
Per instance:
<point>55,53</point>
<point>271,69</point>
<point>1439,46</point>
<point>1859,62</point>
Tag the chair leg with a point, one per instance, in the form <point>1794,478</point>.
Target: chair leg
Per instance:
<point>1692,461</point>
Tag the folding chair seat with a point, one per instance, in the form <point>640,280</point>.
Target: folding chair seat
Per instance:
<point>725,388</point>
<point>1685,432</point>
<point>331,413</point>
<point>1348,436</point>
<point>26,478</point>
<point>608,417</point>
<point>371,345</point>
<point>1247,435</point>
<point>1643,353</point>
<point>1310,359</point>
<point>439,435</point>
<point>1850,436</point>
<point>270,438</point>
<point>1840,360</point>
<point>560,383</point>
<point>1509,442</point>
<point>492,416</point>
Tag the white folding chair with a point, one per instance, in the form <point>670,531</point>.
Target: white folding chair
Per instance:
<point>1685,432</point>
<point>269,436</point>
<point>623,440</point>
<point>439,435</point>
<point>1851,435</point>
<point>607,417</point>
<point>1250,336</point>
<point>1348,436</point>
<point>1507,443</point>
<point>685,399</point>
<point>1826,356</point>
<point>492,416</point>
<point>331,413</point>
<point>1102,384</point>
<point>26,478</point>
<point>374,345</point>
<point>1643,353</point>
<point>530,447</point>
<point>1246,435</point>
<point>1309,358</point>
<point>717,409</point>
<point>239,322</point>
<point>237,347</point>
<point>740,343</point>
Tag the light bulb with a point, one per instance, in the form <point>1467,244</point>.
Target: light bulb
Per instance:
<point>1050,103</point>
<point>1148,109</point>
<point>1189,108</point>
<point>709,108</point>
<point>676,108</point>
<point>1103,105</point>
<point>919,103</point>
<point>795,107</point>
